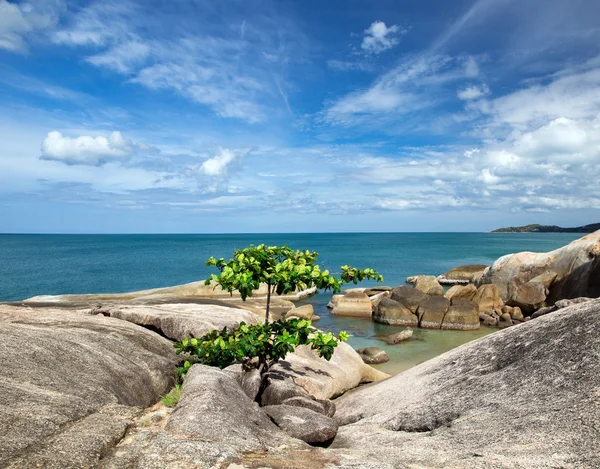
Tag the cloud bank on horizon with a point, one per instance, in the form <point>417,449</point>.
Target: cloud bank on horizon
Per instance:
<point>249,116</point>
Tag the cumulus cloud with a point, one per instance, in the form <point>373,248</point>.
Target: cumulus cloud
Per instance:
<point>86,150</point>
<point>214,172</point>
<point>473,92</point>
<point>379,37</point>
<point>17,20</point>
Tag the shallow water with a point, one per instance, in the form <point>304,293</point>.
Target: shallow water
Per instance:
<point>33,265</point>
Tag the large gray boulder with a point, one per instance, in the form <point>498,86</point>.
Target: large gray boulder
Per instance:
<point>462,315</point>
<point>569,272</point>
<point>71,384</point>
<point>432,311</point>
<point>176,321</point>
<point>525,396</point>
<point>409,297</point>
<point>302,423</point>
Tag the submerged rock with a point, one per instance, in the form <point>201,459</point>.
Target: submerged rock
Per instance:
<point>398,337</point>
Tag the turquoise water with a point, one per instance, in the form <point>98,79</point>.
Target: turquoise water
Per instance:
<point>59,264</point>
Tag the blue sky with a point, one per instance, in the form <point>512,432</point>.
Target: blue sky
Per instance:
<point>294,116</point>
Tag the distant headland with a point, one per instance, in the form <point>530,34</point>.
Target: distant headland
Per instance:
<point>548,229</point>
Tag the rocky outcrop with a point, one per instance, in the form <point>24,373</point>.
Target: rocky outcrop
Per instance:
<point>353,304</point>
<point>569,272</point>
<point>72,383</point>
<point>302,312</point>
<point>189,291</point>
<point>373,355</point>
<point>461,275</point>
<point>526,396</point>
<point>394,313</point>
<point>176,321</point>
<point>429,285</point>
<point>398,337</point>
<point>488,299</point>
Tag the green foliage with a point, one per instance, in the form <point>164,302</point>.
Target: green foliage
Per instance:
<point>269,342</point>
<point>283,269</point>
<point>172,398</point>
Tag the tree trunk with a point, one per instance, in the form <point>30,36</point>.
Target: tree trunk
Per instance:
<point>268,302</point>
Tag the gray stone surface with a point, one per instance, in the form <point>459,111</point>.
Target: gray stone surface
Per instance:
<point>429,285</point>
<point>69,383</point>
<point>409,297</point>
<point>526,396</point>
<point>302,423</point>
<point>463,315</point>
<point>431,312</point>
<point>323,406</point>
<point>177,321</point>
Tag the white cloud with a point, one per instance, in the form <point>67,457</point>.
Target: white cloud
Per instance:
<point>379,37</point>
<point>473,92</point>
<point>122,58</point>
<point>86,150</point>
<point>214,172</point>
<point>17,20</point>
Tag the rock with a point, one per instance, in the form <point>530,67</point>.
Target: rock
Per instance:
<point>503,380</point>
<point>432,311</point>
<point>353,304</point>
<point>334,300</point>
<point>517,314</point>
<point>72,383</point>
<point>251,382</point>
<point>544,311</point>
<point>302,423</point>
<point>376,299</point>
<point>394,313</point>
<point>560,304</point>
<point>176,321</point>
<point>461,291</point>
<point>322,406</point>
<point>505,320</point>
<point>302,312</point>
<point>188,291</point>
<point>354,290</point>
<point>576,265</point>
<point>377,290</point>
<point>398,337</point>
<point>411,280</point>
<point>461,274</point>
<point>278,307</point>
<point>278,389</point>
<point>487,298</point>
<point>373,355</point>
<point>324,379</point>
<point>488,320</point>
<point>529,296</point>
<point>429,285</point>
<point>463,315</point>
<point>409,297</point>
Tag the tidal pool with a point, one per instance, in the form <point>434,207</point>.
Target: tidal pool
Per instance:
<point>423,345</point>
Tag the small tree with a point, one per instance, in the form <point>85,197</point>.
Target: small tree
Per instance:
<point>282,269</point>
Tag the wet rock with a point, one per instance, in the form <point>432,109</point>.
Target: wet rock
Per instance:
<point>394,313</point>
<point>398,337</point>
<point>373,355</point>
<point>431,312</point>
<point>429,285</point>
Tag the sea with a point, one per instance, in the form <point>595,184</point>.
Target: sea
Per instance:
<point>49,264</point>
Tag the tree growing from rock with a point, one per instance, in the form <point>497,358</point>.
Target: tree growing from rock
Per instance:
<point>283,270</point>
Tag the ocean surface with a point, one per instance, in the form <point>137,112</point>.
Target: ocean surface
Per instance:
<point>59,264</point>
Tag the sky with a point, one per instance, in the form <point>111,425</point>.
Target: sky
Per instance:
<point>215,116</point>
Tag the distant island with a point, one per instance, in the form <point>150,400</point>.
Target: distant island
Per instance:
<point>548,229</point>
